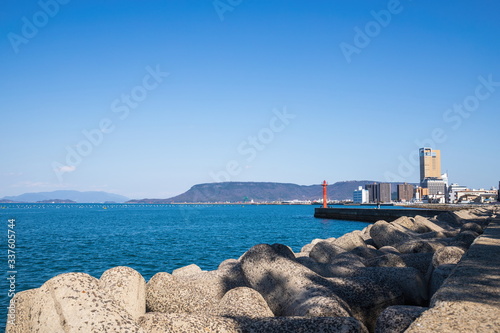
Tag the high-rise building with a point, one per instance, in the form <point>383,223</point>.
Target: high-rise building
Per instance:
<point>360,195</point>
<point>405,192</point>
<point>372,191</point>
<point>378,193</point>
<point>430,164</point>
<point>385,192</point>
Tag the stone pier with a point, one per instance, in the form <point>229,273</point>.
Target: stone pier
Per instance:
<point>372,214</point>
<point>469,300</point>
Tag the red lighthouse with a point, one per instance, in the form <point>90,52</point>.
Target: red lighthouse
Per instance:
<point>325,196</point>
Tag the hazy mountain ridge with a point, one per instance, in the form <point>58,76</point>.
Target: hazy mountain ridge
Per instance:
<point>61,195</point>
<point>208,192</point>
<point>260,192</point>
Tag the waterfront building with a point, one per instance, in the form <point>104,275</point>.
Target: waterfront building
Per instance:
<point>436,188</point>
<point>384,192</point>
<point>405,192</point>
<point>421,193</point>
<point>430,164</point>
<point>360,195</point>
<point>379,192</point>
<point>478,196</point>
<point>444,177</point>
<point>431,177</point>
<point>372,190</point>
<point>453,191</point>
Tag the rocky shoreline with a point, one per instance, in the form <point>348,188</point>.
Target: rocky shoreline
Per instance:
<point>379,279</point>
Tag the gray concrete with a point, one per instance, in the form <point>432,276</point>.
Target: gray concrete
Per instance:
<point>469,300</point>
<point>372,214</point>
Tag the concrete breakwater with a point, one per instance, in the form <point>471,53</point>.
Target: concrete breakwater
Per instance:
<point>379,279</point>
<point>373,214</point>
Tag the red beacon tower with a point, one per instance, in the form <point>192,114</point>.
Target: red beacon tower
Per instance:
<point>325,196</point>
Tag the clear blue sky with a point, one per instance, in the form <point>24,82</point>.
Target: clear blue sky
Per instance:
<point>286,91</point>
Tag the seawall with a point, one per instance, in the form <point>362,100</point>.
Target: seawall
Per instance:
<point>469,299</point>
<point>373,214</point>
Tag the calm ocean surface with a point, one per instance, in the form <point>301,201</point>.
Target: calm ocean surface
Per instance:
<point>51,239</point>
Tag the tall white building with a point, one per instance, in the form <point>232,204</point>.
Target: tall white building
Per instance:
<point>360,195</point>
<point>444,176</point>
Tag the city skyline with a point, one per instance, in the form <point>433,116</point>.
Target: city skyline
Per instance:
<point>148,99</point>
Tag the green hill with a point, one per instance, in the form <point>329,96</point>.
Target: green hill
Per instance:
<point>260,192</point>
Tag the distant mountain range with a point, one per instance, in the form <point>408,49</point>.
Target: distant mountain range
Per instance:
<point>68,196</point>
<point>260,192</point>
<point>210,192</point>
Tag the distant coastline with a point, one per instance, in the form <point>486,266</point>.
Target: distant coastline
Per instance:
<point>249,193</point>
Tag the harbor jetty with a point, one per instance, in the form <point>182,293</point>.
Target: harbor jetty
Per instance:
<point>365,214</point>
<point>413,274</point>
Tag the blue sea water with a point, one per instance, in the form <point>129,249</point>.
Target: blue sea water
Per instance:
<point>51,239</point>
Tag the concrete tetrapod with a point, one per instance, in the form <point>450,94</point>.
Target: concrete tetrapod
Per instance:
<point>71,302</point>
<point>127,287</point>
<point>287,286</point>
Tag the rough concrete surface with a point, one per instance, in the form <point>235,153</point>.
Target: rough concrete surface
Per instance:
<point>469,300</point>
